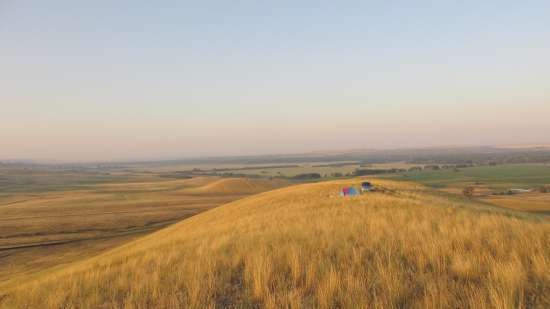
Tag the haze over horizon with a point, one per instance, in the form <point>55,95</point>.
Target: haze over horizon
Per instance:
<point>136,80</point>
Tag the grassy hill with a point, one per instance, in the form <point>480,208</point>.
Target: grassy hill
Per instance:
<point>40,230</point>
<point>304,246</point>
<point>235,186</point>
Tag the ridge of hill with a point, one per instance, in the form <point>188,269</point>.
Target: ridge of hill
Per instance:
<point>306,247</point>
<point>235,186</point>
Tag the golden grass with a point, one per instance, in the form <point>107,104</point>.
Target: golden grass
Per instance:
<point>533,202</point>
<point>305,247</point>
<point>235,186</point>
<point>41,230</point>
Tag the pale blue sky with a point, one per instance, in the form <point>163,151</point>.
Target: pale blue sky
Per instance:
<point>108,80</point>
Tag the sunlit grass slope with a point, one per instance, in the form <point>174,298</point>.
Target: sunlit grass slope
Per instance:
<point>236,186</point>
<point>306,247</point>
<point>42,230</point>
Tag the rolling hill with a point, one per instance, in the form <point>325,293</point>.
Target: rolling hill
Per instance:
<point>235,186</point>
<point>306,247</point>
<point>41,230</point>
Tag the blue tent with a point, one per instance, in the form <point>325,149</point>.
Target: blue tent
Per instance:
<point>350,191</point>
<point>353,191</point>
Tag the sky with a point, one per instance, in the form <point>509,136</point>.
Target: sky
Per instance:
<point>124,80</point>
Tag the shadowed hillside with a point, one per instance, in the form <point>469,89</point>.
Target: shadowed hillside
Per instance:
<point>304,246</point>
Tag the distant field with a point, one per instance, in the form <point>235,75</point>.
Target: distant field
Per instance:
<point>533,202</point>
<point>293,171</point>
<point>491,180</point>
<point>326,170</point>
<point>15,181</point>
<point>49,218</point>
<point>499,177</point>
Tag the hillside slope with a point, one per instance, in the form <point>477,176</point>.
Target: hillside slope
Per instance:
<point>235,186</point>
<point>304,246</point>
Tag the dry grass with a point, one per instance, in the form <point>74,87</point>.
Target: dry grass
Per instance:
<point>236,186</point>
<point>305,247</point>
<point>532,202</point>
<point>41,230</point>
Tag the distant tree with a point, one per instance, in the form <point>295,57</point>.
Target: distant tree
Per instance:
<point>433,167</point>
<point>337,174</point>
<point>307,176</point>
<point>363,172</point>
<point>468,191</point>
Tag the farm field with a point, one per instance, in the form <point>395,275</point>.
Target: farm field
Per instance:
<point>498,177</point>
<point>491,183</point>
<point>326,170</point>
<point>43,225</point>
<point>305,247</point>
<point>322,169</point>
<point>532,202</point>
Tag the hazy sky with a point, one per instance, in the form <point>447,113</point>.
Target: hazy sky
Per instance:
<point>104,80</point>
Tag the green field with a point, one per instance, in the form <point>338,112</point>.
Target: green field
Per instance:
<point>499,177</point>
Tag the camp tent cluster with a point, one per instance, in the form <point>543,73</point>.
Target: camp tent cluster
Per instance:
<point>351,191</point>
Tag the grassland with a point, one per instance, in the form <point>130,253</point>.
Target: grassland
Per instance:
<point>289,170</point>
<point>499,177</point>
<point>490,182</point>
<point>534,202</point>
<point>50,218</point>
<point>305,247</point>
<point>322,169</point>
